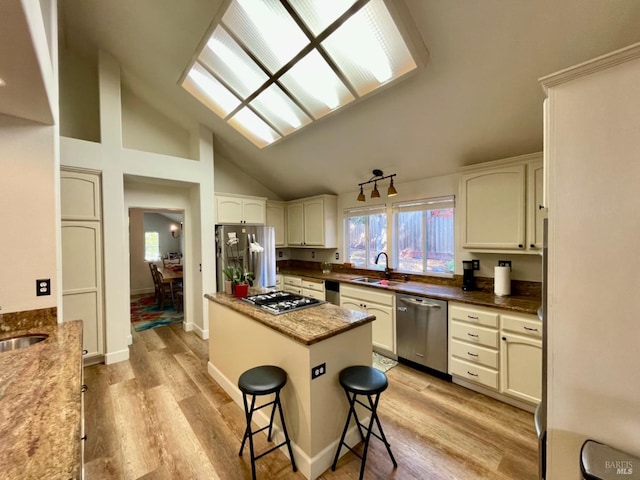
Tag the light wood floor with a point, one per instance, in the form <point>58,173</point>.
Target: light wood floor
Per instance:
<point>161,416</point>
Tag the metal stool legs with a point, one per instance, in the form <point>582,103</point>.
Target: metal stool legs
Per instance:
<point>372,407</point>
<point>248,434</point>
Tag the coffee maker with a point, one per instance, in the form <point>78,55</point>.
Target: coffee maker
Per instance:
<point>468,280</point>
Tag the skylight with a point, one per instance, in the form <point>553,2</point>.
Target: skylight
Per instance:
<point>271,67</point>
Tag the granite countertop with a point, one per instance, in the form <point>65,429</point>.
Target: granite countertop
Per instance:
<point>307,326</point>
<point>515,303</point>
<point>40,405</point>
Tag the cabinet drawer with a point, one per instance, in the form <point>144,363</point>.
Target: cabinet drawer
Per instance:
<point>313,294</point>
<point>313,284</point>
<point>367,294</point>
<point>522,325</point>
<point>474,315</point>
<point>475,354</point>
<point>475,335</point>
<point>292,289</point>
<point>295,281</point>
<point>474,373</point>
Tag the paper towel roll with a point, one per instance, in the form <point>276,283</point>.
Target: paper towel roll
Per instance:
<point>502,281</point>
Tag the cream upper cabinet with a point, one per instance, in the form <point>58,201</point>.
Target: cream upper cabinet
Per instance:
<point>276,218</point>
<point>240,209</point>
<point>499,203</point>
<point>535,204</point>
<point>312,222</point>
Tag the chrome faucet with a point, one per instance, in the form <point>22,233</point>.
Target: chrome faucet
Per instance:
<point>387,271</point>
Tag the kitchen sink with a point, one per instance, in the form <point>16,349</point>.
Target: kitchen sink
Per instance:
<point>376,281</point>
<point>366,280</point>
<point>14,343</point>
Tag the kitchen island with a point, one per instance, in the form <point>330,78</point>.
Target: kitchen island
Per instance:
<point>324,339</point>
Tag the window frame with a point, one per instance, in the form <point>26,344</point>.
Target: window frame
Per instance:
<point>158,256</point>
<point>368,212</point>
<point>423,206</point>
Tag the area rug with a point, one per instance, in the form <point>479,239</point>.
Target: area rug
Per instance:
<point>145,314</point>
<point>382,363</point>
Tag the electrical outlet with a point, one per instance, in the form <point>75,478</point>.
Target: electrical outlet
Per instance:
<point>313,254</point>
<point>43,287</point>
<point>318,371</point>
<point>504,263</point>
<point>476,264</point>
<point>280,254</point>
<point>337,256</point>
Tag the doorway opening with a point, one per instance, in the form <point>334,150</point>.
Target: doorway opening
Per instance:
<point>156,263</point>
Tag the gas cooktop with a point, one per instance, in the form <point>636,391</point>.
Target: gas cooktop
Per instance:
<point>281,302</point>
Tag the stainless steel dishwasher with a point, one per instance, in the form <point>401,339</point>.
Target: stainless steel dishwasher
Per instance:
<point>421,331</point>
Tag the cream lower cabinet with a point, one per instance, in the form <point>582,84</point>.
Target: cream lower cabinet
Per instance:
<point>374,302</point>
<point>473,345</point>
<point>498,351</point>
<point>313,288</point>
<point>521,357</point>
<point>292,284</point>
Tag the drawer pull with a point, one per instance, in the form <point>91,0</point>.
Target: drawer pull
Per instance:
<point>84,352</point>
<point>84,388</point>
<point>472,354</point>
<point>83,438</point>
<point>474,335</point>
<point>531,329</point>
<point>472,374</point>
<point>470,317</point>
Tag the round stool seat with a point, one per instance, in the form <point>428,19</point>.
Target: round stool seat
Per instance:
<point>262,380</point>
<point>363,380</point>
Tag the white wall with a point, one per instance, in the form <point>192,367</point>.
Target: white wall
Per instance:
<point>194,178</point>
<point>29,194</point>
<point>27,214</point>
<point>594,226</point>
<point>525,267</point>
<point>145,128</point>
<point>79,106</point>
<point>231,179</point>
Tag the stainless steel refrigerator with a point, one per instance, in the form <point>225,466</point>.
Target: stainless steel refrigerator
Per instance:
<point>250,247</point>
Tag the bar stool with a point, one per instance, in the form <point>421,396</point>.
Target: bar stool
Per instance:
<point>255,382</point>
<point>363,380</point>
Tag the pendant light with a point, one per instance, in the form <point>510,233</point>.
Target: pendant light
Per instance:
<point>378,175</point>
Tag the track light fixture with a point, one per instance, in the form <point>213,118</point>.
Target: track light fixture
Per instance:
<point>378,175</point>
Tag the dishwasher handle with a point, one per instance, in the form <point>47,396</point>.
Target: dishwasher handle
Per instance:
<point>420,303</point>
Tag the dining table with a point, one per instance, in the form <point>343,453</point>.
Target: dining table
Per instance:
<point>173,275</point>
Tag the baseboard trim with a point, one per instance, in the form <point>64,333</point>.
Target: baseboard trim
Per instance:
<point>202,333</point>
<point>115,357</point>
<point>495,395</point>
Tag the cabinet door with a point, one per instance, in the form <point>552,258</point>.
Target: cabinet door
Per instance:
<point>382,326</point>
<point>253,211</point>
<point>275,219</point>
<point>79,196</point>
<point>295,223</point>
<point>228,210</point>
<point>351,303</point>
<point>535,214</point>
<point>82,281</point>
<point>521,367</point>
<point>493,203</point>
<point>314,222</point>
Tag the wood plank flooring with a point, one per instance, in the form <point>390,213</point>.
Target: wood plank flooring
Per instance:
<point>161,416</point>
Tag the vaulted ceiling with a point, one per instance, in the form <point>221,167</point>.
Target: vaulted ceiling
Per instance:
<point>477,99</point>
